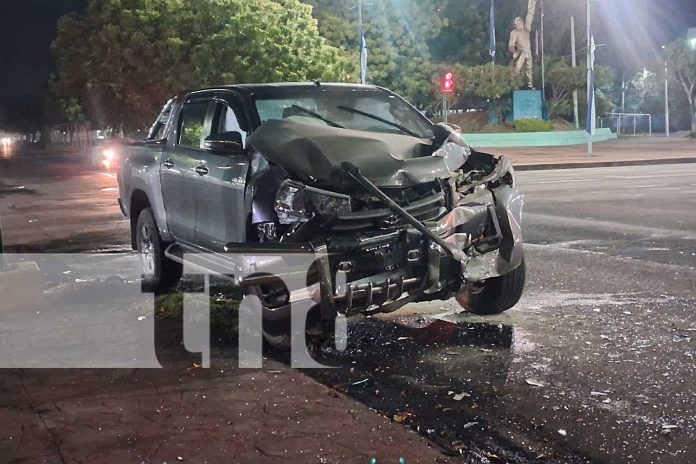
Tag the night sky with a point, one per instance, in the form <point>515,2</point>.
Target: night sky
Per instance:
<point>27,28</point>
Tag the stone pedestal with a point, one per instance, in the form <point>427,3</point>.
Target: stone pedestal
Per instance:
<point>526,104</point>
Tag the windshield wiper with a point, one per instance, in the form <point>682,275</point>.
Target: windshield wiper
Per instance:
<point>403,129</point>
<point>318,116</point>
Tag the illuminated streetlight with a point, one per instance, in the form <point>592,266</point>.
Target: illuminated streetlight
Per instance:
<point>664,49</point>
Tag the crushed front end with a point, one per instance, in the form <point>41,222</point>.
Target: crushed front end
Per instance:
<point>381,248</point>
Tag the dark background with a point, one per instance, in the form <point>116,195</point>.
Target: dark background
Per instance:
<point>633,31</point>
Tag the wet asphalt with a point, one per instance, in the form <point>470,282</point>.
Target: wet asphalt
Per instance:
<point>596,363</point>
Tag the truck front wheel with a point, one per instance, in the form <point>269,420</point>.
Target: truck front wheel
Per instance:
<point>159,273</point>
<point>497,295</point>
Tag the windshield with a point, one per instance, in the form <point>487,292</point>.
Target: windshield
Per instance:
<point>368,110</point>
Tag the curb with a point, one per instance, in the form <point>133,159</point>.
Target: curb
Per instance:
<point>600,164</point>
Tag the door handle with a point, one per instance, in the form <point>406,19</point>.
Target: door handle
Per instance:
<point>202,170</point>
<point>168,163</point>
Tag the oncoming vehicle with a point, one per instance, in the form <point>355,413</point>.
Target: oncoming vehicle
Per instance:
<point>105,154</point>
<point>401,208</point>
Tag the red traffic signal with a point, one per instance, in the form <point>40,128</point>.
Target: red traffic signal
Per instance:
<point>448,82</point>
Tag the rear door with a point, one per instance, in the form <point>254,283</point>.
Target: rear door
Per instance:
<point>222,215</point>
<point>179,177</point>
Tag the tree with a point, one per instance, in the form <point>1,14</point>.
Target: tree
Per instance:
<point>126,57</point>
<point>644,93</point>
<point>490,84</point>
<point>464,35</point>
<point>563,79</point>
<point>681,58</point>
<point>397,33</point>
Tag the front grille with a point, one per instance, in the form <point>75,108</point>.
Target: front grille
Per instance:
<point>425,202</point>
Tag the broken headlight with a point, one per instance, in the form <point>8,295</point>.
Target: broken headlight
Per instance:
<point>295,201</point>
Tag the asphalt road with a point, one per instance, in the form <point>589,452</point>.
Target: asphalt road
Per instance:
<point>58,203</point>
<point>596,364</point>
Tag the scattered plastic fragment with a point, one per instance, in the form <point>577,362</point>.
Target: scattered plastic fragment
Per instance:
<point>359,382</point>
<point>535,383</point>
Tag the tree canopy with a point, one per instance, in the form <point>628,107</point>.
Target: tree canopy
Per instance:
<point>121,60</point>
<point>126,57</point>
<point>681,59</point>
<point>397,34</point>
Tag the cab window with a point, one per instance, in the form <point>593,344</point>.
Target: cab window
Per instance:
<point>228,119</point>
<point>160,128</point>
<point>192,126</point>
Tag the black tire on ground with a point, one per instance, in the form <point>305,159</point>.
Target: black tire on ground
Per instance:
<point>499,293</point>
<point>277,332</point>
<point>159,272</point>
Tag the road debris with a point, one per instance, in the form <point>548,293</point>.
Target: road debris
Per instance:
<point>535,383</point>
<point>461,396</point>
<point>401,417</point>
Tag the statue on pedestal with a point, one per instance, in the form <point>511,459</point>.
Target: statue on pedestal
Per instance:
<point>520,44</point>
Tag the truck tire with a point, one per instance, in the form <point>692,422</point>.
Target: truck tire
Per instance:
<point>159,273</point>
<point>499,293</point>
<point>276,332</point>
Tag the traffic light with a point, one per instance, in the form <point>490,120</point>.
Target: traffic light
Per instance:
<point>448,82</point>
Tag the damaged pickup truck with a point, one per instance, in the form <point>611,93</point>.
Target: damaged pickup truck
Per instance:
<point>403,210</point>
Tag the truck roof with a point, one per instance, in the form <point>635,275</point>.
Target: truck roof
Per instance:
<point>272,87</point>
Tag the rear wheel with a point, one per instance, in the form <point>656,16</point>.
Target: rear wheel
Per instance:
<point>159,273</point>
<point>498,294</point>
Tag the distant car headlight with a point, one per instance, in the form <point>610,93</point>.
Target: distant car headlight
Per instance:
<point>295,200</point>
<point>108,157</point>
<point>109,154</point>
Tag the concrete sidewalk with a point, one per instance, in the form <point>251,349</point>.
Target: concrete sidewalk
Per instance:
<point>186,414</point>
<point>623,152</point>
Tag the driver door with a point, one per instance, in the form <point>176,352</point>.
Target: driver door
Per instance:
<point>179,179</point>
<point>222,215</point>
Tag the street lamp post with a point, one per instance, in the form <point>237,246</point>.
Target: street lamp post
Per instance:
<point>590,97</point>
<point>576,118</point>
<point>664,48</point>
<point>3,263</point>
<point>363,51</point>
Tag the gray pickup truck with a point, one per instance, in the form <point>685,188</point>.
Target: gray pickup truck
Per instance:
<point>401,208</point>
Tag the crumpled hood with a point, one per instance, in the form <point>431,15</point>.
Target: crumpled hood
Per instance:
<point>388,160</point>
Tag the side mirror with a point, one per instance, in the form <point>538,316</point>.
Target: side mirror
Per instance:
<point>225,143</point>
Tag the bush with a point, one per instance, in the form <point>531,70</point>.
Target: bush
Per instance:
<point>533,125</point>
